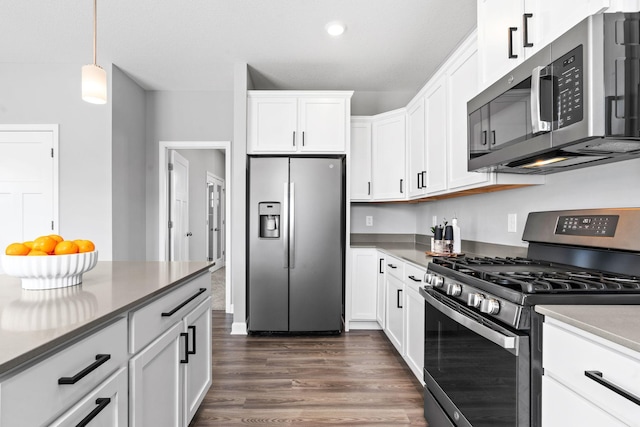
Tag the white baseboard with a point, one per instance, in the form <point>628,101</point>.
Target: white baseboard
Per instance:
<point>371,325</point>
<point>239,328</point>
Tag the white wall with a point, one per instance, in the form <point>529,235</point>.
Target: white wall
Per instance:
<point>51,93</point>
<point>483,217</point>
<point>387,218</point>
<point>369,103</point>
<point>200,162</point>
<point>180,116</point>
<point>128,151</point>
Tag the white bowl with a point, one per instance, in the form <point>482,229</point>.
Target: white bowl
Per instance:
<point>51,271</point>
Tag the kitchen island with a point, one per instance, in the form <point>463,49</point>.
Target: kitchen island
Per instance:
<point>129,329</point>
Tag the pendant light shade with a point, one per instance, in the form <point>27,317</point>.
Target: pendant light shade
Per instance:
<point>94,84</point>
<point>94,78</point>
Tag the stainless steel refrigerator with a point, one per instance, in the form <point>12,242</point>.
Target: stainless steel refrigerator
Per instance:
<point>295,251</point>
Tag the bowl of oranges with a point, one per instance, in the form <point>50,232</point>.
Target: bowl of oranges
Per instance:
<point>49,262</point>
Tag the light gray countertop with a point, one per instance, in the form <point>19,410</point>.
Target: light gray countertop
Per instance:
<point>35,321</point>
<point>616,323</point>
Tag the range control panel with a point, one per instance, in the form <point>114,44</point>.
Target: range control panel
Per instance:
<point>587,225</point>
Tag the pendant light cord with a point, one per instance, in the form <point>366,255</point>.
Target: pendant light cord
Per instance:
<point>95,30</point>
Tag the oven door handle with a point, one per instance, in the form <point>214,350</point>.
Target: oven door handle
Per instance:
<point>509,343</point>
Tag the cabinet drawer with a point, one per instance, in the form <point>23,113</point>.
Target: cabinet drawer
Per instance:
<point>414,276</point>
<point>34,396</point>
<point>108,400</point>
<point>395,267</point>
<point>569,352</point>
<point>147,323</point>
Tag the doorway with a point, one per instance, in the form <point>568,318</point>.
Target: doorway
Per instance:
<point>164,252</point>
<point>215,219</point>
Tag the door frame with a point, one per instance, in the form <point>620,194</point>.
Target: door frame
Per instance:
<point>163,176</point>
<point>212,178</point>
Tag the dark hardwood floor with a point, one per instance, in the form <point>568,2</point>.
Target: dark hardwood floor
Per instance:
<point>354,379</point>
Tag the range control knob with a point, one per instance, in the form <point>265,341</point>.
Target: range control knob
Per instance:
<point>454,289</point>
<point>490,306</point>
<point>437,281</point>
<point>475,299</point>
<point>428,277</point>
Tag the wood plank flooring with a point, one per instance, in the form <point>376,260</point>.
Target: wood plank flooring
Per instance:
<point>354,379</point>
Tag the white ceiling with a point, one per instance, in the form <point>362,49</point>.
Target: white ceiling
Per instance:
<point>389,45</point>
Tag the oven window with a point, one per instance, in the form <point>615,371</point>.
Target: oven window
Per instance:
<point>479,377</point>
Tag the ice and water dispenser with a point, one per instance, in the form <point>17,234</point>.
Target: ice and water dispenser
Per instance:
<point>269,220</point>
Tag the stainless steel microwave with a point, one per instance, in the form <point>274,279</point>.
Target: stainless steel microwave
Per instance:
<point>575,103</point>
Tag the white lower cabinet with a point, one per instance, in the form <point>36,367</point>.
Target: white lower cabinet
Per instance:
<point>106,405</point>
<point>414,320</point>
<point>380,294</point>
<point>363,297</point>
<point>576,363</point>
<point>395,312</point>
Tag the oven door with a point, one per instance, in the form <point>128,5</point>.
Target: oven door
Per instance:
<point>476,371</point>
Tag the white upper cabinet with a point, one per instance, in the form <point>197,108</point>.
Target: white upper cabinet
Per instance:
<point>416,148</point>
<point>298,122</point>
<point>360,159</point>
<point>388,155</point>
<point>435,105</point>
<point>510,31</point>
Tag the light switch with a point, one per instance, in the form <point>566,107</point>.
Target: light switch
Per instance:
<point>369,221</point>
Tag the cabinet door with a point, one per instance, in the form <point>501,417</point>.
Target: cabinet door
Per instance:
<point>322,125</point>
<point>499,53</point>
<point>380,294</point>
<point>360,160</point>
<point>155,386</point>
<point>414,345</point>
<point>197,371</point>
<point>395,312</point>
<point>462,85</point>
<point>436,136</point>
<point>105,406</point>
<point>272,124</point>
<point>416,149</point>
<point>388,173</point>
<point>363,284</point>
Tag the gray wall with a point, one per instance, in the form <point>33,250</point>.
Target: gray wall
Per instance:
<point>369,103</point>
<point>180,116</point>
<point>128,151</point>
<point>387,218</point>
<point>200,162</point>
<point>51,94</point>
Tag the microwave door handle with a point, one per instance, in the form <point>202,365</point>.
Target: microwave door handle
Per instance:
<point>537,124</point>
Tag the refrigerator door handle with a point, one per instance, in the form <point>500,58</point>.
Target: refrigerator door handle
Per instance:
<point>285,225</point>
<point>292,225</point>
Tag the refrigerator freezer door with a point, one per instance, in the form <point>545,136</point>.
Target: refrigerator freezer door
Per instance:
<point>268,290</point>
<point>316,275</point>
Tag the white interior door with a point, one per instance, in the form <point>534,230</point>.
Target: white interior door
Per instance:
<point>28,183</point>
<point>215,220</point>
<point>179,208</point>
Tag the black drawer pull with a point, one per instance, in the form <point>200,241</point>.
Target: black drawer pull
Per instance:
<point>100,359</point>
<point>192,328</point>
<point>185,335</point>
<point>597,377</point>
<point>187,301</point>
<point>414,279</point>
<point>392,266</point>
<point>102,403</point>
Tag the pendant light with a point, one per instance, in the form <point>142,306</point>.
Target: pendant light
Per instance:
<point>94,78</point>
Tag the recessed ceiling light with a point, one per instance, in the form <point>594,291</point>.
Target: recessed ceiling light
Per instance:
<point>335,28</point>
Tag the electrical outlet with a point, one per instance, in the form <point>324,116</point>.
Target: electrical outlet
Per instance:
<point>512,223</point>
<point>369,221</point>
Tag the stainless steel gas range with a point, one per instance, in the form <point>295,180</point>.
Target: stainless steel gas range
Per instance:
<point>483,338</point>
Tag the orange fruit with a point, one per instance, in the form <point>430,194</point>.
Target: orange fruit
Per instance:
<point>37,253</point>
<point>17,249</point>
<point>85,245</point>
<point>45,244</point>
<point>56,237</point>
<point>66,247</point>
<point>28,243</point>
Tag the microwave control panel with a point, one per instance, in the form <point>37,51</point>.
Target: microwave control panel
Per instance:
<point>568,74</point>
<point>588,225</point>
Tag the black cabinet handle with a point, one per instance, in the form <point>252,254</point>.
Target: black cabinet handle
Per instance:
<point>401,186</point>
<point>102,403</point>
<point>398,298</point>
<point>303,138</point>
<point>392,266</point>
<point>511,54</point>
<point>369,188</point>
<point>100,359</point>
<point>192,328</point>
<point>187,301</point>
<point>294,138</point>
<point>423,179</point>
<point>493,136</point>
<point>525,26</point>
<point>381,265</point>
<point>597,377</point>
<point>419,176</point>
<point>484,137</point>
<point>186,347</point>
<point>414,279</point>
